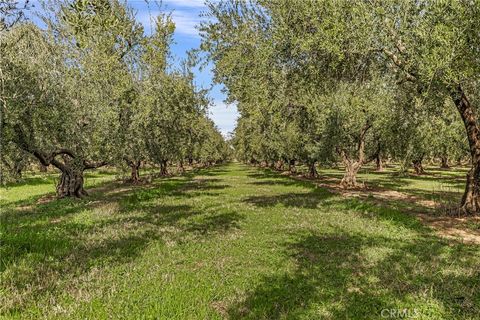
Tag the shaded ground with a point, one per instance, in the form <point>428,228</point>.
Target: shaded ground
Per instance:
<point>431,197</point>
<point>227,242</point>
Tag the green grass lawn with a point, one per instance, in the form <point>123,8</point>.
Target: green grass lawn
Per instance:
<point>229,242</point>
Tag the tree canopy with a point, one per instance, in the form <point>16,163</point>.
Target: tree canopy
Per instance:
<point>351,81</point>
<point>93,89</point>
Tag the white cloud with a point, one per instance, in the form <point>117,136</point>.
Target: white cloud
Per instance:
<point>186,22</point>
<point>185,3</point>
<point>225,116</point>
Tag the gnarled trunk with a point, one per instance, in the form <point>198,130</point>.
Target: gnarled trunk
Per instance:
<point>135,171</point>
<point>279,165</point>
<point>181,169</point>
<point>378,162</point>
<point>291,166</point>
<point>17,170</point>
<point>471,198</point>
<point>444,162</point>
<point>312,170</point>
<point>163,167</point>
<point>72,166</point>
<point>349,179</point>
<point>71,183</point>
<point>418,167</point>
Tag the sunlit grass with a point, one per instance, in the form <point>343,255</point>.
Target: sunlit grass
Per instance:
<point>227,242</point>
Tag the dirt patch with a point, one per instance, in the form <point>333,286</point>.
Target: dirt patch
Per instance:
<point>454,227</point>
<point>380,194</point>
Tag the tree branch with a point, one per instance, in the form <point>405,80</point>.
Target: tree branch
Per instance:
<point>93,165</point>
<point>410,76</point>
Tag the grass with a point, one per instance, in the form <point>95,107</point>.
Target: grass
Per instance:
<point>228,242</point>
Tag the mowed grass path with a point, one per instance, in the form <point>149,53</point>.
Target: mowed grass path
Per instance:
<point>227,242</point>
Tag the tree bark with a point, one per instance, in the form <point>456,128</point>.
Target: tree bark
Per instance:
<point>378,162</point>
<point>444,163</point>
<point>163,168</point>
<point>312,170</point>
<point>279,165</point>
<point>71,183</point>
<point>18,168</point>
<point>135,173</point>
<point>418,167</point>
<point>471,198</point>
<point>181,168</point>
<point>349,179</point>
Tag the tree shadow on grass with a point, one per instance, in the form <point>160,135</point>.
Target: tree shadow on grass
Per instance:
<point>309,200</point>
<point>345,276</point>
<point>202,185</point>
<point>212,171</point>
<point>282,182</point>
<point>31,181</point>
<point>266,174</point>
<point>407,199</point>
<point>392,212</point>
<point>64,239</point>
<point>213,224</point>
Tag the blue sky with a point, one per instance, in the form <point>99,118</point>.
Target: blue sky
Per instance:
<point>186,15</point>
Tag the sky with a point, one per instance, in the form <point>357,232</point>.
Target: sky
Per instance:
<point>186,15</point>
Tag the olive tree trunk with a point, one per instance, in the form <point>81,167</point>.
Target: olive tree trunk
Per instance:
<point>349,179</point>
<point>181,168</point>
<point>279,165</point>
<point>378,162</point>
<point>312,170</point>
<point>444,162</point>
<point>71,183</point>
<point>163,167</point>
<point>418,167</point>
<point>352,167</point>
<point>470,203</point>
<point>135,171</point>
<point>291,166</point>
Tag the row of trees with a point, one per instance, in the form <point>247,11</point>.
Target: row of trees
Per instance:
<point>351,81</point>
<point>91,89</point>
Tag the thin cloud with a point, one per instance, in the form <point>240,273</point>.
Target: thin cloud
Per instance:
<point>186,22</point>
<point>185,3</point>
<point>225,116</point>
